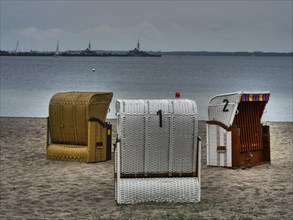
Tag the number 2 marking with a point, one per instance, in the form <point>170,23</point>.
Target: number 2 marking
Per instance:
<point>225,106</point>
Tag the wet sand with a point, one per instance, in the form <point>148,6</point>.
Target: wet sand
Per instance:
<point>35,188</point>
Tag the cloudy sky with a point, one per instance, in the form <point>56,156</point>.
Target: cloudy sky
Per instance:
<point>160,25</point>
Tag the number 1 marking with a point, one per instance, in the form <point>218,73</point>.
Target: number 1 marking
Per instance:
<point>160,117</point>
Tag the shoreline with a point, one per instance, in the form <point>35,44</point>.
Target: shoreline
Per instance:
<point>112,119</point>
<point>35,188</point>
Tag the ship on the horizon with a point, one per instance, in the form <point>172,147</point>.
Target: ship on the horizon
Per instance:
<point>57,50</point>
<point>136,52</point>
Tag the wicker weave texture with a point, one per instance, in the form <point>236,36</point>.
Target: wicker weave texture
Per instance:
<point>69,113</point>
<point>148,107</point>
<point>222,108</point>
<point>70,134</point>
<point>148,147</point>
<point>219,146</point>
<point>133,141</point>
<point>67,152</point>
<point>138,190</point>
<point>141,190</point>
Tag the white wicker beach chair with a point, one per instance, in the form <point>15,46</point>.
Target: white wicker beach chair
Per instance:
<point>157,156</point>
<point>235,135</point>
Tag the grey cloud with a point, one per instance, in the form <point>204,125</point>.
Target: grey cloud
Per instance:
<point>174,25</point>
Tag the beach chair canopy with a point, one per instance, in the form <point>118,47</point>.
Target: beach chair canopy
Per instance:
<point>223,108</point>
<point>69,113</point>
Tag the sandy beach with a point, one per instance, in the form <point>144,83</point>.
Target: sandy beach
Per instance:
<point>35,188</point>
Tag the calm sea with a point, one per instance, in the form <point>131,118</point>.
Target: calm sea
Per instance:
<point>28,83</point>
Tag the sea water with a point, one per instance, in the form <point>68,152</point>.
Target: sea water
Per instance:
<point>28,83</point>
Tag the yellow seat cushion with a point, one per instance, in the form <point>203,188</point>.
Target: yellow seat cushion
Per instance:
<point>67,152</point>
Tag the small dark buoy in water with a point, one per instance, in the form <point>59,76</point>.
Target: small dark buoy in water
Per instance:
<point>177,94</point>
<point>93,70</point>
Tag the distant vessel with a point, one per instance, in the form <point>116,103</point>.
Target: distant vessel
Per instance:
<point>16,48</point>
<point>57,50</point>
<point>88,51</point>
<point>136,52</point>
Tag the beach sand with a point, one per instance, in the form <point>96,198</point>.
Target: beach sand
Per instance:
<point>35,188</point>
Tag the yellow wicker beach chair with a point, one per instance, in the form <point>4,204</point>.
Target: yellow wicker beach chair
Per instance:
<point>76,127</point>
